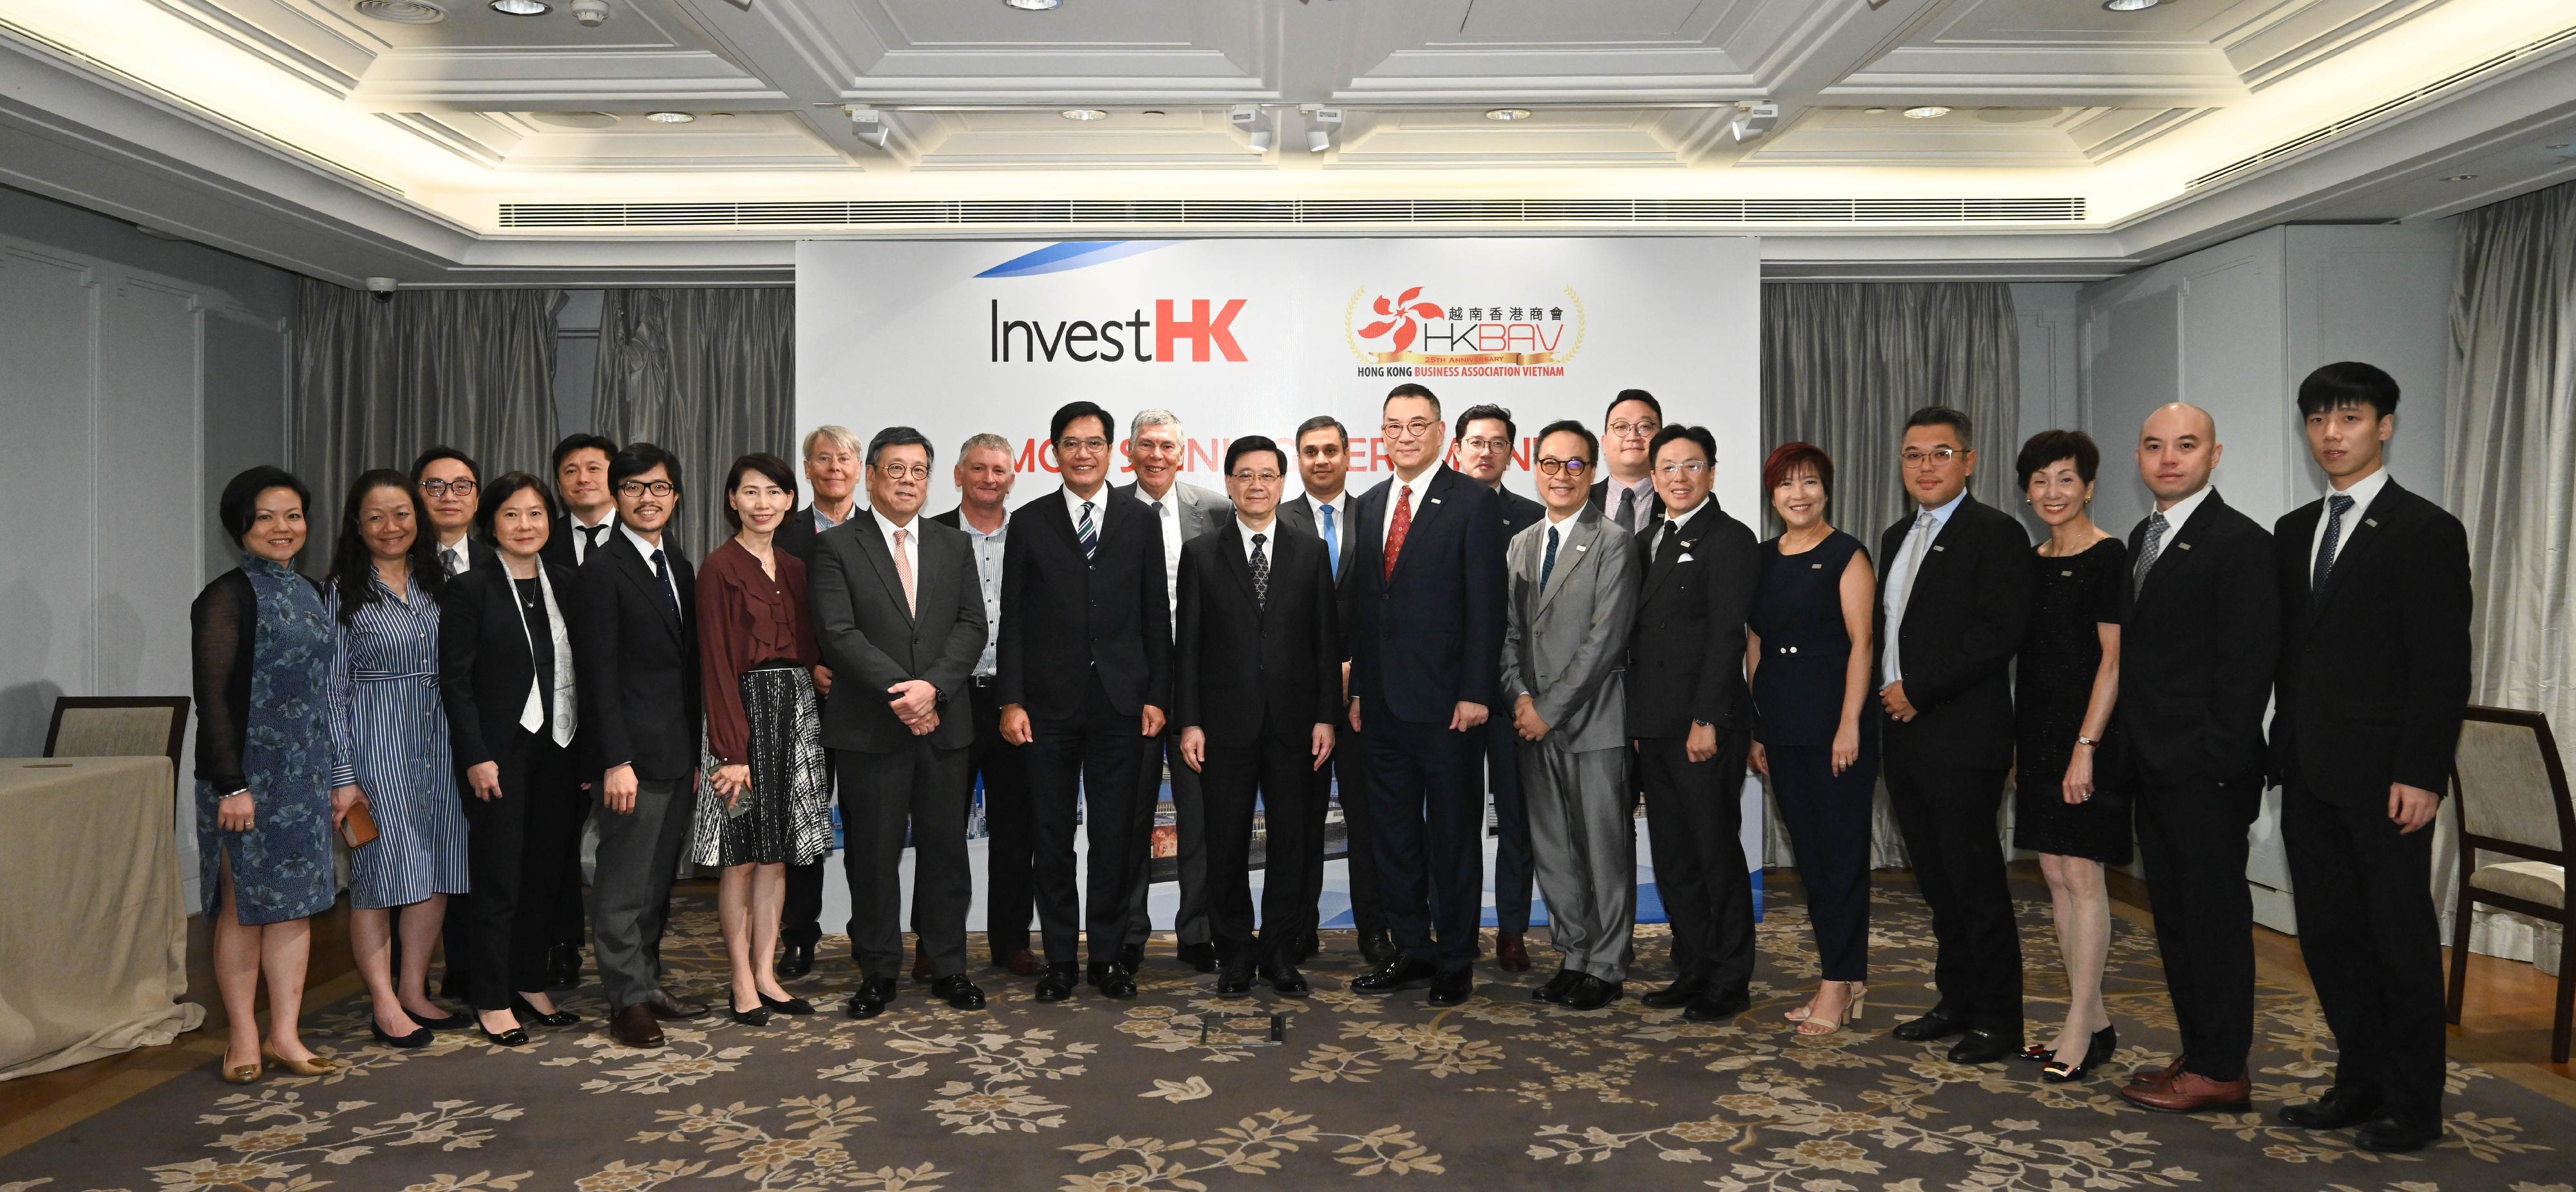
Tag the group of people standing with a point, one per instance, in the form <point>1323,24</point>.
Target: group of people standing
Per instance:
<point>478,675</point>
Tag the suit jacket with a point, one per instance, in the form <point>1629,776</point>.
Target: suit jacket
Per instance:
<point>1299,515</point>
<point>1686,654</point>
<point>2197,649</point>
<point>636,663</point>
<point>2374,668</point>
<point>1203,511</point>
<point>1654,500</point>
<point>796,536</point>
<point>1430,636</point>
<point>1963,624</point>
<point>487,658</point>
<point>1566,645</point>
<point>1065,617</point>
<point>872,640</point>
<point>1240,668</point>
<point>558,548</point>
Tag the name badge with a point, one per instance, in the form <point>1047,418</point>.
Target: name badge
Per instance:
<point>1815,566</point>
<point>1938,547</point>
<point>2371,522</point>
<point>2066,573</point>
<point>2182,546</point>
<point>1435,500</point>
<point>1580,549</point>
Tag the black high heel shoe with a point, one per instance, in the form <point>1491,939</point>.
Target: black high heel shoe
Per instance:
<point>2105,1042</point>
<point>418,1038</point>
<point>794,1006</point>
<point>755,1016</point>
<point>528,1014</point>
<point>516,1036</point>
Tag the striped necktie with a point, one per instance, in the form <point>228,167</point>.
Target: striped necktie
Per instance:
<point>2336,507</point>
<point>1088,533</point>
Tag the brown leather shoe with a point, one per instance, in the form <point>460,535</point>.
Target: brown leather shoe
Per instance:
<point>2191,1092</point>
<point>1022,963</point>
<point>920,959</point>
<point>674,1009</point>
<point>1510,952</point>
<point>635,1026</point>
<point>2156,1078</point>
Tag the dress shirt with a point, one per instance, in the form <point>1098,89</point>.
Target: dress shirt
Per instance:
<point>1099,511</point>
<point>1556,519</point>
<point>2362,492</point>
<point>824,521</point>
<point>988,569</point>
<point>911,548</point>
<point>1670,525</point>
<point>458,556</point>
<point>671,575</point>
<point>1420,484</point>
<point>1168,508</point>
<point>1330,513</point>
<point>1916,544</point>
<point>581,535</point>
<point>2180,513</point>
<point>1269,531</point>
<point>1644,488</point>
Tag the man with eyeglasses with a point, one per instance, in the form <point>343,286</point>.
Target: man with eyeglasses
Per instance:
<point>1158,451</point>
<point>1952,604</point>
<point>832,467</point>
<point>1627,491</point>
<point>1425,615</point>
<point>447,478</point>
<point>1084,675</point>
<point>984,477</point>
<point>1486,436</point>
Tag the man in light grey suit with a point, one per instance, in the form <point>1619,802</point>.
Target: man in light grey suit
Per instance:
<point>1157,451</point>
<point>1573,583</point>
<point>899,616</point>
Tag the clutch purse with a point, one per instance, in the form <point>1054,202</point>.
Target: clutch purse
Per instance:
<point>358,828</point>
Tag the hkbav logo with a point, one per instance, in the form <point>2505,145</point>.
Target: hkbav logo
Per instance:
<point>1414,332</point>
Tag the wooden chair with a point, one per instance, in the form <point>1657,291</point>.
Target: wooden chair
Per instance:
<point>2521,809</point>
<point>121,726</point>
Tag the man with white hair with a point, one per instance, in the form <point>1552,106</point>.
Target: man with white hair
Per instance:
<point>1156,453</point>
<point>832,455</point>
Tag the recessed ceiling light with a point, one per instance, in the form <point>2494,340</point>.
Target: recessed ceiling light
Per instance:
<point>2459,177</point>
<point>669,117</point>
<point>1033,5</point>
<point>522,8</point>
<point>1507,114</point>
<point>1930,111</point>
<point>402,12</point>
<point>1085,115</point>
<point>1875,111</point>
<point>2130,5</point>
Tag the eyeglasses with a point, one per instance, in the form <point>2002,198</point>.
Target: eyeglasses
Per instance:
<point>1264,477</point>
<point>1407,430</point>
<point>1487,444</point>
<point>1688,467</point>
<point>440,488</point>
<point>904,471</point>
<point>1624,429</point>
<point>1576,465</point>
<point>640,488</point>
<point>1068,445</point>
<point>1924,459</point>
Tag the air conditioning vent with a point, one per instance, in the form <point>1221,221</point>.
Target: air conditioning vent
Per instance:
<point>1064,213</point>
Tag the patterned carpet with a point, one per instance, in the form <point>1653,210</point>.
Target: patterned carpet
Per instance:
<point>1502,1092</point>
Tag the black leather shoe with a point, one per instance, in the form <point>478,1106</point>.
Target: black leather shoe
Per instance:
<point>1592,993</point>
<point>1394,973</point>
<point>1116,981</point>
<point>1132,956</point>
<point>958,992</point>
<point>1234,980</point>
<point>1554,990</point>
<point>2338,1109</point>
<point>1718,1007</point>
<point>1679,993</point>
<point>527,1014</point>
<point>1303,949</point>
<point>1452,988</point>
<point>1939,1023</point>
<point>2390,1136</point>
<point>516,1036</point>
<point>634,1026</point>
<point>755,1016</point>
<point>418,1038</point>
<point>870,998</point>
<point>1377,947</point>
<point>793,1007</point>
<point>563,966</point>
<point>1057,982</point>
<point>1981,1047</point>
<point>1199,956</point>
<point>796,960</point>
<point>1284,978</point>
<point>672,1009</point>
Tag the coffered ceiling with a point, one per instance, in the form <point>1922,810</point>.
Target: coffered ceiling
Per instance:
<point>2048,137</point>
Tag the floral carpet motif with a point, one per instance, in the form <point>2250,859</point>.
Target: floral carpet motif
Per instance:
<point>1502,1092</point>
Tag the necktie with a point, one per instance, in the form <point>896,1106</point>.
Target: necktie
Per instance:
<point>903,571</point>
<point>1397,529</point>
<point>1915,542</point>
<point>1547,567</point>
<point>1260,572</point>
<point>598,536</point>
<point>1628,510</point>
<point>2336,506</point>
<point>662,573</point>
<point>448,561</point>
<point>1332,540</point>
<point>1087,533</point>
<point>2155,545</point>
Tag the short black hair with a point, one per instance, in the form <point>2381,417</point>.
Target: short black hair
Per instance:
<point>605,446</point>
<point>2049,446</point>
<point>896,436</point>
<point>1487,413</point>
<point>1070,412</point>
<point>770,467</point>
<point>1251,443</point>
<point>1409,389</point>
<point>635,459</point>
<point>1569,426</point>
<point>2347,383</point>
<point>443,451</point>
<point>503,487</point>
<point>1324,422</point>
<point>1676,432</point>
<point>239,505</point>
<point>1944,416</point>
<point>1634,395</point>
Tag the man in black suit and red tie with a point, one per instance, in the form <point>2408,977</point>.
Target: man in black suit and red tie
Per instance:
<point>2373,682</point>
<point>1424,613</point>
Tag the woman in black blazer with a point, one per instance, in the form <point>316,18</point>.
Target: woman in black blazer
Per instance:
<point>506,673</point>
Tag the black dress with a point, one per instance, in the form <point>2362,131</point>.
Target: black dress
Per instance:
<point>2061,651</point>
<point>1798,694</point>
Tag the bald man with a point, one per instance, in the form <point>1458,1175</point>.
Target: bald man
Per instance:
<point>2200,632</point>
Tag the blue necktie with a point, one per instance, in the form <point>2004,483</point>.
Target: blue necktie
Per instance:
<point>2336,506</point>
<point>1548,567</point>
<point>1332,540</point>
<point>662,573</point>
<point>1088,533</point>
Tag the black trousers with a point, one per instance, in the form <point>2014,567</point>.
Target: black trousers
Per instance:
<point>1346,782</point>
<point>1009,832</point>
<point>1092,757</point>
<point>922,788</point>
<point>1947,816</point>
<point>2368,931</point>
<point>800,918</point>
<point>1515,866</point>
<point>1695,816</point>
<point>1279,769</point>
<point>1828,816</point>
<point>2191,837</point>
<point>1189,825</point>
<point>1428,811</point>
<point>513,854</point>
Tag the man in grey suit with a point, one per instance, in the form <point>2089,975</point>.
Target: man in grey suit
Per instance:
<point>899,615</point>
<point>1157,451</point>
<point>1573,584</point>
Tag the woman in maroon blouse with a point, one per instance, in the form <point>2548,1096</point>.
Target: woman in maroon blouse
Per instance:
<point>764,794</point>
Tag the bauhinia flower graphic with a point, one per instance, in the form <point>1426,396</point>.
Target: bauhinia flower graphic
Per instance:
<point>1400,315</point>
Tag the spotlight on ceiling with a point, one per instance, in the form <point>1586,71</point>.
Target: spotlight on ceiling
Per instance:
<point>669,117</point>
<point>402,12</point>
<point>1248,117</point>
<point>2130,5</point>
<point>1753,119</point>
<point>1086,115</point>
<point>1507,114</point>
<point>1321,124</point>
<point>1929,111</point>
<point>870,124</point>
<point>522,8</point>
<point>1033,5</point>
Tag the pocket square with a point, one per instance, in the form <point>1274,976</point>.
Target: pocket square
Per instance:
<point>1684,559</point>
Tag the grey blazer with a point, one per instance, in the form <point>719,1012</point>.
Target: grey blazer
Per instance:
<point>872,642</point>
<point>1567,646</point>
<point>1203,511</point>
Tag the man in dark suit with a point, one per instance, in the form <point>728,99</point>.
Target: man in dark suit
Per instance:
<point>898,611</point>
<point>2373,682</point>
<point>1157,450</point>
<point>2200,623</point>
<point>1085,667</point>
<point>1425,615</point>
<point>832,468</point>
<point>581,491</point>
<point>447,480</point>
<point>1627,490</point>
<point>1486,439</point>
<point>1951,608</point>
<point>1691,718</point>
<point>635,650</point>
<point>1324,510</point>
<point>983,474</point>
<point>1256,688</point>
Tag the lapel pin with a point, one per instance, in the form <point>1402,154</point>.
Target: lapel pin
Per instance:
<point>1815,566</point>
<point>2182,546</point>
<point>1938,546</point>
<point>2372,522</point>
<point>1582,546</point>
<point>2066,573</point>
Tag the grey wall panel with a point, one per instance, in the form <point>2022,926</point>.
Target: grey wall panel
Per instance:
<point>151,516</point>
<point>48,544</point>
<point>246,384</point>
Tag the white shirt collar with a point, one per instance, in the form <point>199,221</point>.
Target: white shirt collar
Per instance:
<point>1423,481</point>
<point>1554,519</point>
<point>1339,501</point>
<point>1171,496</point>
<point>1099,509</point>
<point>2362,492</point>
<point>604,519</point>
<point>911,549</point>
<point>1678,516</point>
<point>2184,508</point>
<point>1244,531</point>
<point>642,547</point>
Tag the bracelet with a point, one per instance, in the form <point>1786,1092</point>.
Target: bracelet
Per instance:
<point>2081,739</point>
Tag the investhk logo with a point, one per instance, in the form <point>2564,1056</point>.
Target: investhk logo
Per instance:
<point>1207,327</point>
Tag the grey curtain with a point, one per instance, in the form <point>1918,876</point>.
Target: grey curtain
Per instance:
<point>377,381</point>
<point>707,374</point>
<point>2512,434</point>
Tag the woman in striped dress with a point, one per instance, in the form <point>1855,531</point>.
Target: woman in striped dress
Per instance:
<point>389,740</point>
